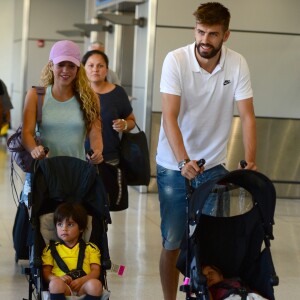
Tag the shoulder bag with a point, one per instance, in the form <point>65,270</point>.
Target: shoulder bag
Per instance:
<point>134,157</point>
<point>14,143</point>
<point>115,186</point>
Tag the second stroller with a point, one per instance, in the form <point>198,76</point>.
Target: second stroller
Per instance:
<point>238,244</point>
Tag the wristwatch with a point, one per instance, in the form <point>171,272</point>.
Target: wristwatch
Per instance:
<point>182,163</point>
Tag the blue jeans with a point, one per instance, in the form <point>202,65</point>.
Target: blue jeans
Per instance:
<point>173,202</point>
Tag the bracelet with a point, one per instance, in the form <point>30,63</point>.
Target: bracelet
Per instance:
<point>126,125</point>
<point>182,163</point>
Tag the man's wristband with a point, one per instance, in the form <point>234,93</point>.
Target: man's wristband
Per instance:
<point>182,163</point>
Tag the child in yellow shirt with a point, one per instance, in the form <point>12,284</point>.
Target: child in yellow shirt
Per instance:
<point>71,220</point>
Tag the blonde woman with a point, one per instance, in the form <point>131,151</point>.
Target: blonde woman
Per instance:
<point>71,110</point>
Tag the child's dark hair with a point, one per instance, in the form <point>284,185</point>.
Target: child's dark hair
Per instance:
<point>213,267</point>
<point>74,211</point>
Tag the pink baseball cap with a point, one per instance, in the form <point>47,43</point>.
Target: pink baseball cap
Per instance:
<point>65,51</point>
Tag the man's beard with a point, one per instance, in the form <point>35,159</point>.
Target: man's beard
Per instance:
<point>210,53</point>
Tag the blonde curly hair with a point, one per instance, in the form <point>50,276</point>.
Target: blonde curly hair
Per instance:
<point>88,99</point>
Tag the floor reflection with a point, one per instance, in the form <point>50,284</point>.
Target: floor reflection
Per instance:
<point>134,241</point>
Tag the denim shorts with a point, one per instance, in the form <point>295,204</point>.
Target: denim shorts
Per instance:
<point>173,202</point>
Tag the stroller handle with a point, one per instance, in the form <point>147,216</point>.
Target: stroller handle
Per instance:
<point>243,164</point>
<point>46,150</point>
<point>201,162</point>
<point>90,152</point>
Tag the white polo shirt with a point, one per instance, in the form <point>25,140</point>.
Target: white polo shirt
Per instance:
<point>207,103</point>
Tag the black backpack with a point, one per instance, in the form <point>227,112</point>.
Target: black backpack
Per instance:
<point>20,232</point>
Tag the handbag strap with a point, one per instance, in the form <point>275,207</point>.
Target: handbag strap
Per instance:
<point>41,92</point>
<point>11,146</point>
<point>137,126</point>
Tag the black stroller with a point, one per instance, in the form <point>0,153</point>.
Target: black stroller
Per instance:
<point>57,180</point>
<point>238,244</point>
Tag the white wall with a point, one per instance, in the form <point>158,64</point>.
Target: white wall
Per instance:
<point>6,34</point>
<point>43,24</point>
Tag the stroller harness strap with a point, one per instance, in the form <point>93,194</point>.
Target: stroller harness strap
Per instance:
<point>62,265</point>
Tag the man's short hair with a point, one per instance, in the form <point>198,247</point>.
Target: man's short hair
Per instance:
<point>213,13</point>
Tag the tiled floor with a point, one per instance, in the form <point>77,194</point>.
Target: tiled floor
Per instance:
<point>134,241</point>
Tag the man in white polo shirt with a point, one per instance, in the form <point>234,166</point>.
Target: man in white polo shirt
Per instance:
<point>200,84</point>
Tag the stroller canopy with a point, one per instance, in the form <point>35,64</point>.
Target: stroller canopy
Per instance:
<point>258,185</point>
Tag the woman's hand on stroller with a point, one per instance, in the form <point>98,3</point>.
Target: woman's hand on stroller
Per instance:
<point>95,157</point>
<point>39,152</point>
<point>193,168</point>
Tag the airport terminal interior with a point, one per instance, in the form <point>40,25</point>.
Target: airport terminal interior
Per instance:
<point>139,35</point>
<point>134,241</point>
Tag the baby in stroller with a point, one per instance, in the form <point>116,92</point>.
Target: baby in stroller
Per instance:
<point>221,288</point>
<point>71,265</point>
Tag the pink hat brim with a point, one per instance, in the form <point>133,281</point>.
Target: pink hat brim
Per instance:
<point>72,59</point>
